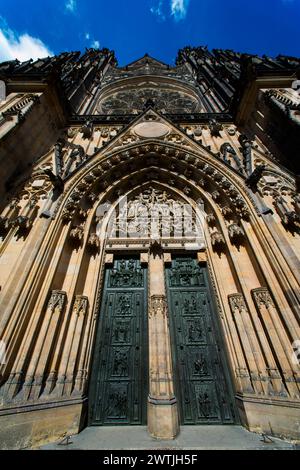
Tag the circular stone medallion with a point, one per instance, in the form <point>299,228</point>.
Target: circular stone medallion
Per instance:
<point>151,129</point>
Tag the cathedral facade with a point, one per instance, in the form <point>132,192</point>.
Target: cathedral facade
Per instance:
<point>150,244</point>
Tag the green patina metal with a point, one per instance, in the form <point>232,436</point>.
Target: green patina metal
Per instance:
<point>202,381</point>
<point>119,382</point>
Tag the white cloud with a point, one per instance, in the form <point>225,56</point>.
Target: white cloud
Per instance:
<point>87,36</point>
<point>157,11</point>
<point>95,44</point>
<point>179,9</point>
<point>22,47</point>
<point>71,6</point>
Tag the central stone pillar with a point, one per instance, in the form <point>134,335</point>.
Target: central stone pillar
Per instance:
<point>162,405</point>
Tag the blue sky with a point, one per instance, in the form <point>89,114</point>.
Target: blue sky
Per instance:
<point>35,28</point>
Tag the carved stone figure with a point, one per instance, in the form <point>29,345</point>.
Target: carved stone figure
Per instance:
<point>236,232</point>
<point>93,241</point>
<point>87,130</point>
<point>217,240</point>
<point>77,234</point>
<point>200,365</point>
<point>205,405</point>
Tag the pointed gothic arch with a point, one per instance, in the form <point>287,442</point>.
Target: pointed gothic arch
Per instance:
<point>238,256</point>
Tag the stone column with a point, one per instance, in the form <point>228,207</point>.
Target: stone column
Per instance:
<point>241,317</point>
<point>44,345</point>
<point>79,311</point>
<point>278,338</point>
<point>162,405</point>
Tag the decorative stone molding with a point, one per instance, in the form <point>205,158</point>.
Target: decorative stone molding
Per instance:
<point>217,240</point>
<point>245,376</point>
<point>208,169</point>
<point>237,303</point>
<point>57,301</point>
<point>94,242</point>
<point>216,195</point>
<point>202,258</point>
<point>158,306</point>
<point>239,202</point>
<point>255,177</point>
<point>288,216</point>
<point>215,128</point>
<point>14,203</point>
<point>77,234</point>
<point>226,150</point>
<point>217,177</point>
<point>230,190</point>
<point>80,382</point>
<point>214,285</point>
<point>224,183</point>
<point>82,213</point>
<point>68,214</point>
<point>80,306</point>
<point>92,197</point>
<point>4,224</point>
<point>244,213</point>
<point>211,219</point>
<point>22,223</point>
<point>87,130</point>
<point>262,297</point>
<point>231,131</point>
<point>102,172</point>
<point>226,211</point>
<point>236,233</point>
<point>75,196</point>
<point>168,258</point>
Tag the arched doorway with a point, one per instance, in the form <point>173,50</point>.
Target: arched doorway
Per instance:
<point>156,297</point>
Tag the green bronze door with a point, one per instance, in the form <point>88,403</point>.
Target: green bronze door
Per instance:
<point>202,380</point>
<point>119,381</point>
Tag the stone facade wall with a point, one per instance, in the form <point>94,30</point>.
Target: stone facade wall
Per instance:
<point>54,249</point>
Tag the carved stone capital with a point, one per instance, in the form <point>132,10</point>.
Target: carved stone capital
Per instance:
<point>14,203</point>
<point>87,130</point>
<point>67,215</point>
<point>77,234</point>
<point>4,223</point>
<point>22,223</point>
<point>94,242</point>
<point>235,232</point>
<point>80,306</point>
<point>215,127</point>
<point>288,216</point>
<point>262,298</point>
<point>216,195</point>
<point>217,240</point>
<point>211,219</point>
<point>226,211</point>
<point>237,303</point>
<point>57,301</point>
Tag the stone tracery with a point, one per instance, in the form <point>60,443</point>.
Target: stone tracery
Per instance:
<point>134,101</point>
